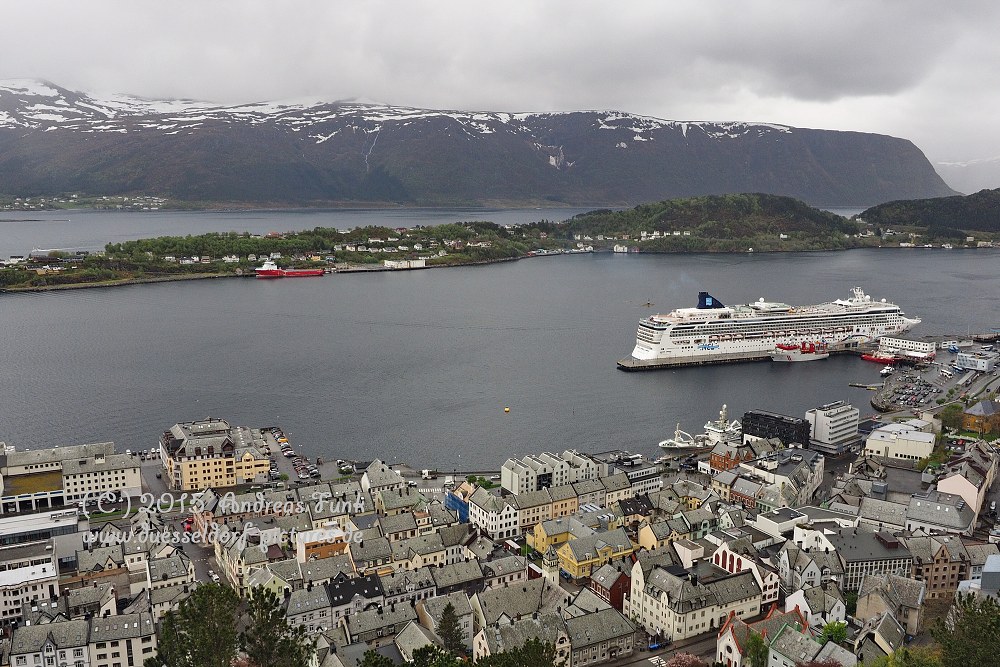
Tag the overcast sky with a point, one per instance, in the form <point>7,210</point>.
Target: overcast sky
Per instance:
<point>926,71</point>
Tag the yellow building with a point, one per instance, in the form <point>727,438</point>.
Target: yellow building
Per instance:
<point>554,532</point>
<point>581,556</point>
<point>209,454</point>
<point>656,535</point>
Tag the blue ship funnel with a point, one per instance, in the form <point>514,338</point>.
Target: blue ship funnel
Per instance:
<point>706,300</point>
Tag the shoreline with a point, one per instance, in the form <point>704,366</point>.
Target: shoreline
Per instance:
<point>377,268</point>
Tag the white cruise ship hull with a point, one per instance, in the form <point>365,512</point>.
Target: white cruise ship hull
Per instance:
<point>721,334</point>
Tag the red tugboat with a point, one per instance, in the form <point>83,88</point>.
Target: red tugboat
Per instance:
<point>271,270</point>
<point>804,352</point>
<point>880,359</point>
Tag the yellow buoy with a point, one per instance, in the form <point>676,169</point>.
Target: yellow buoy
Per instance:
<point>506,409</point>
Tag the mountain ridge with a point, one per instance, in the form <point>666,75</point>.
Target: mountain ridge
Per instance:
<point>56,140</point>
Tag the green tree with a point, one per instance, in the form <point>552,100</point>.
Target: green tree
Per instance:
<point>202,632</point>
<point>534,653</point>
<point>970,634</point>
<point>851,602</point>
<point>267,639</point>
<point>834,631</point>
<point>908,657</point>
<point>373,659</point>
<point>450,632</point>
<point>434,656</point>
<point>951,416</point>
<point>757,650</point>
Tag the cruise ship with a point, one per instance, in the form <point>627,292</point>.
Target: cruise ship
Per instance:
<point>715,333</point>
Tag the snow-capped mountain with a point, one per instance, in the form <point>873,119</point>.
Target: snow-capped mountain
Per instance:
<point>56,140</point>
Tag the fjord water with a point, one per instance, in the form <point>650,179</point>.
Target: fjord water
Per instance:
<point>418,366</point>
<point>86,229</point>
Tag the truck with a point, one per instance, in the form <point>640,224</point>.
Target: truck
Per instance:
<point>428,474</point>
<point>449,482</point>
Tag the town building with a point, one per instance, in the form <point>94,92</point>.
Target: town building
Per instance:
<point>28,572</point>
<point>819,604</point>
<point>899,595</point>
<point>37,479</point>
<point>731,644</point>
<point>209,453</point>
<point>970,475</point>
<point>899,441</point>
<point>580,557</point>
<point>942,561</point>
<point>761,424</point>
<point>982,417</point>
<point>937,512</point>
<point>600,636</point>
<point>795,474</point>
<point>863,552</point>
<point>833,428</point>
<point>983,362</point>
<point>678,606</point>
<point>535,472</point>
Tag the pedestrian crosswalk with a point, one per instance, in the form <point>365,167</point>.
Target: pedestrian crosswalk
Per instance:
<point>658,661</point>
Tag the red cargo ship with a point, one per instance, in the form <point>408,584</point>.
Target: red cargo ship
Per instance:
<point>271,270</point>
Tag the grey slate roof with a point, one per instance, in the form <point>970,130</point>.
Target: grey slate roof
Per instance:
<point>883,511</point>
<point>606,576</point>
<point>898,591</point>
<point>617,482</point>
<point>546,628</point>
<point>457,574</point>
<point>521,599</point>
<point>589,545</point>
<point>684,596</point>
<point>435,605</point>
<point>795,645</point>
<point>372,619</point>
<point>394,499</point>
<point>62,634</point>
<point>397,523</point>
<point>95,560</point>
<point>503,566</point>
<point>404,581</point>
<point>123,626</point>
<point>370,550</point>
<point>380,475</point>
<point>597,627</point>
<point>421,545</point>
<point>324,569</point>
<point>304,601</point>
<point>170,567</point>
<point>941,509</point>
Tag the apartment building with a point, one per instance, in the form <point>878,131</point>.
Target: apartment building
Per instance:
<point>899,441</point>
<point>678,606</point>
<point>28,572</point>
<point>32,480</point>
<point>209,453</point>
<point>536,472</point>
<point>833,428</point>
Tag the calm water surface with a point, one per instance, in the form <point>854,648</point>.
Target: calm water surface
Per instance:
<point>418,366</point>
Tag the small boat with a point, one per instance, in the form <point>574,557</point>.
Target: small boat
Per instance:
<point>887,371</point>
<point>271,270</point>
<point>803,352</point>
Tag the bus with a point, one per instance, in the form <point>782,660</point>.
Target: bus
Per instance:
<point>946,373</point>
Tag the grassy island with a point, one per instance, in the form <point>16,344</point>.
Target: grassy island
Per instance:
<point>725,223</point>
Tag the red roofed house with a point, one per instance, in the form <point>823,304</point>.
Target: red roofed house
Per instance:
<point>733,636</point>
